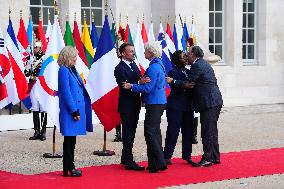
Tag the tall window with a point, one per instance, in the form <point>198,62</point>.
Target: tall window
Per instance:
<point>42,7</point>
<point>95,7</point>
<point>216,24</point>
<point>248,36</point>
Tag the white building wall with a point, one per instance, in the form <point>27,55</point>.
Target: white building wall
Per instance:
<point>240,84</point>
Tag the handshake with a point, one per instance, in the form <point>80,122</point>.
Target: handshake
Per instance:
<point>143,80</point>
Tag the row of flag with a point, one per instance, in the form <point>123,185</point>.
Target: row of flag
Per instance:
<point>96,61</point>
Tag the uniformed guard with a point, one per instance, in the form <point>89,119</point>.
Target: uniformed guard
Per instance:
<point>32,70</point>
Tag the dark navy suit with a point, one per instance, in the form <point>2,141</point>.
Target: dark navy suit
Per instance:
<point>179,115</point>
<point>207,100</point>
<point>129,105</point>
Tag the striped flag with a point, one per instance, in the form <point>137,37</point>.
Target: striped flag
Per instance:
<point>169,40</point>
<point>17,64</point>
<point>47,83</point>
<point>23,41</point>
<point>4,70</point>
<point>87,43</point>
<point>94,36</point>
<point>48,31</point>
<point>144,33</point>
<point>128,36</point>
<point>41,36</point>
<point>79,44</point>
<point>139,50</point>
<point>151,33</point>
<point>101,83</point>
<point>81,67</point>
<point>177,38</point>
<point>30,35</point>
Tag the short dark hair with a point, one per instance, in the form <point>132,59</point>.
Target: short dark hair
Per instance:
<point>123,47</point>
<point>175,56</point>
<point>197,51</point>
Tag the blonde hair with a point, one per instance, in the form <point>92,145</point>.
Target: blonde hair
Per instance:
<point>154,48</point>
<point>66,55</point>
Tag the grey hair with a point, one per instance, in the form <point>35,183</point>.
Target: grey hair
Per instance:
<point>155,48</point>
<point>66,55</point>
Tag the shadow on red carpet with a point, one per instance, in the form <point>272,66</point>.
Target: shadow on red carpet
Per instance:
<point>234,165</point>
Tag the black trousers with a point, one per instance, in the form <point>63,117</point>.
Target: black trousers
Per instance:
<point>209,133</point>
<point>179,120</point>
<point>153,137</point>
<point>68,152</point>
<point>39,121</point>
<point>129,123</point>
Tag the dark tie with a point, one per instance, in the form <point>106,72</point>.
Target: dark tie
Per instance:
<point>133,67</point>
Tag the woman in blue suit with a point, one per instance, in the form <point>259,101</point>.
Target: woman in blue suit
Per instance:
<point>75,115</point>
<point>154,97</point>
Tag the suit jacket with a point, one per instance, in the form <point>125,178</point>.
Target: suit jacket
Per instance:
<point>127,101</point>
<point>206,93</point>
<point>179,98</point>
<point>72,97</point>
<point>154,91</point>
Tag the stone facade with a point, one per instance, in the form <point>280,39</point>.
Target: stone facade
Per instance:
<point>241,84</point>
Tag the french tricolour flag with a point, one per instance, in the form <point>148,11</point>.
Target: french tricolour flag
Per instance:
<point>101,83</point>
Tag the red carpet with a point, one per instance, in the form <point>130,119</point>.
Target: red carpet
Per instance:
<point>234,165</point>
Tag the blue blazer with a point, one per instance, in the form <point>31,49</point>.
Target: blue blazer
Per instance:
<point>73,96</point>
<point>179,98</point>
<point>154,91</point>
<point>206,93</point>
<point>127,100</point>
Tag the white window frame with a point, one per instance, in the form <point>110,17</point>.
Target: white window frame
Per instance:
<point>247,61</point>
<point>221,62</point>
<point>92,8</point>
<point>41,6</point>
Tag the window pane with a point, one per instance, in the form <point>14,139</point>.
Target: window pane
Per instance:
<point>251,6</point>
<point>211,19</point>
<point>211,36</point>
<point>98,16</point>
<point>250,51</point>
<point>244,36</point>
<point>250,20</point>
<point>244,52</point>
<point>244,6</point>
<point>35,2</point>
<point>87,11</point>
<point>250,36</point>
<point>48,2</point>
<point>35,14</point>
<point>211,48</point>
<point>85,3</point>
<point>218,5</point>
<point>244,20</point>
<point>218,20</point>
<point>218,50</point>
<point>218,36</point>
<point>211,5</point>
<point>96,3</point>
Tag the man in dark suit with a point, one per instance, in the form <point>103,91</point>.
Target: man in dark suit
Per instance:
<point>207,100</point>
<point>129,103</point>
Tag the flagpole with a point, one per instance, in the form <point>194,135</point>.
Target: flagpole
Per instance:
<point>104,152</point>
<point>53,154</point>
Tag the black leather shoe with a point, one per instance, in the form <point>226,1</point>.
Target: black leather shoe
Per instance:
<point>163,168</point>
<point>42,137</point>
<point>36,136</point>
<point>194,140</point>
<point>216,161</point>
<point>117,139</point>
<point>189,161</point>
<point>168,161</point>
<point>203,163</point>
<point>73,173</point>
<point>134,167</point>
<point>153,170</point>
